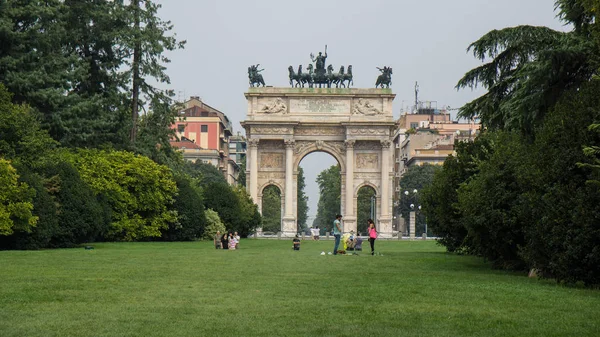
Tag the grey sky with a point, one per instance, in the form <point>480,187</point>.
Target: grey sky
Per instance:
<point>423,41</point>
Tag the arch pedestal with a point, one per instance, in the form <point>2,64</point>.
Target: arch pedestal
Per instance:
<point>355,126</point>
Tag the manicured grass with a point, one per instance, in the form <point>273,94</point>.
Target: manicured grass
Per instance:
<point>266,289</point>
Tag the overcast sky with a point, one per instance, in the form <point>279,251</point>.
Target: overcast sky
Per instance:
<point>423,41</point>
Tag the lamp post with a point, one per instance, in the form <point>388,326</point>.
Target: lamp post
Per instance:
<point>415,212</point>
<point>373,208</point>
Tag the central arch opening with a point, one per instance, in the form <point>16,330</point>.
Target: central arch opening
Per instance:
<point>323,190</point>
<point>366,208</point>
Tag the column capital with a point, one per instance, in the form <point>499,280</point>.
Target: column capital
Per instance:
<point>289,143</point>
<point>252,142</point>
<point>385,144</point>
<point>349,143</point>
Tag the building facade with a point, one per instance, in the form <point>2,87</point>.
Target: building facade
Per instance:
<point>425,136</point>
<point>203,133</point>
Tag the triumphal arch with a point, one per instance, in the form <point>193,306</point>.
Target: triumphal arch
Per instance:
<point>355,126</point>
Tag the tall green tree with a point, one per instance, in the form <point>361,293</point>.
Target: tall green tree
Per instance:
<point>143,44</point>
<point>529,68</point>
<point>363,207</point>
<point>302,200</point>
<point>271,209</point>
<point>330,189</point>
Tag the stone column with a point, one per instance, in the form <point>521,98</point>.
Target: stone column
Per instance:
<point>349,219</point>
<point>289,220</point>
<point>385,220</point>
<point>253,163</point>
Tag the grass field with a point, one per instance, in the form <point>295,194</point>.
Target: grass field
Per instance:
<point>266,289</point>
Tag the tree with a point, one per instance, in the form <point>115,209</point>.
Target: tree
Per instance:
<point>416,178</point>
<point>221,198</point>
<point>440,199</point>
<point>363,208</point>
<point>83,65</point>
<point>44,208</point>
<point>144,43</point>
<point>330,187</point>
<point>154,135</point>
<point>242,176</point>
<point>21,132</point>
<point>530,68</point>
<point>207,174</point>
<point>565,209</point>
<point>249,218</point>
<point>189,205</point>
<point>271,209</point>
<point>213,225</point>
<point>302,200</point>
<point>15,202</point>
<point>82,217</point>
<point>139,191</point>
<point>59,57</point>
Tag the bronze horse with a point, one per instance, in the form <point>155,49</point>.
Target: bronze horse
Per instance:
<point>348,77</point>
<point>385,78</point>
<point>254,77</point>
<point>295,77</point>
<point>334,77</point>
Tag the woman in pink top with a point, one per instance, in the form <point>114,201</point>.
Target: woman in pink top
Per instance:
<point>372,235</point>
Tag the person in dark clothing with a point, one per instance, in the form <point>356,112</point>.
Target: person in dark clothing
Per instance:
<point>225,241</point>
<point>296,243</point>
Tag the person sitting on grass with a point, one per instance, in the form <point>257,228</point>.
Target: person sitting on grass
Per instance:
<point>358,244</point>
<point>350,241</point>
<point>296,243</point>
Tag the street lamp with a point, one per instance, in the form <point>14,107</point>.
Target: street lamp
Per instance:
<point>415,211</point>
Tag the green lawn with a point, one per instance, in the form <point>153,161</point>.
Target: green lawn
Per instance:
<point>266,289</point>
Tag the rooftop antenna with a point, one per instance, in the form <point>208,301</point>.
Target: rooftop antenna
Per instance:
<point>416,95</point>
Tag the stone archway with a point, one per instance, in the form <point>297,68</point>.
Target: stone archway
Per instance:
<point>355,126</point>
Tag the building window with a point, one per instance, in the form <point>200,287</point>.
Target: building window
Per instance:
<point>414,125</point>
<point>203,128</point>
<point>180,127</point>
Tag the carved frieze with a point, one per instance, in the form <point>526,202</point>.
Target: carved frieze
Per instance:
<point>370,131</point>
<point>367,160</point>
<point>319,131</point>
<point>271,160</point>
<point>368,145</point>
<point>271,131</point>
<point>271,144</point>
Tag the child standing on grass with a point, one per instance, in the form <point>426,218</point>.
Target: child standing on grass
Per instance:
<point>296,243</point>
<point>372,235</point>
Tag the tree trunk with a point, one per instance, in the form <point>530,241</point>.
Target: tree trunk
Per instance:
<point>136,70</point>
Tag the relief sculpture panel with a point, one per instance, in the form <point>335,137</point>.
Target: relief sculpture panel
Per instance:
<point>271,160</point>
<point>367,160</point>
